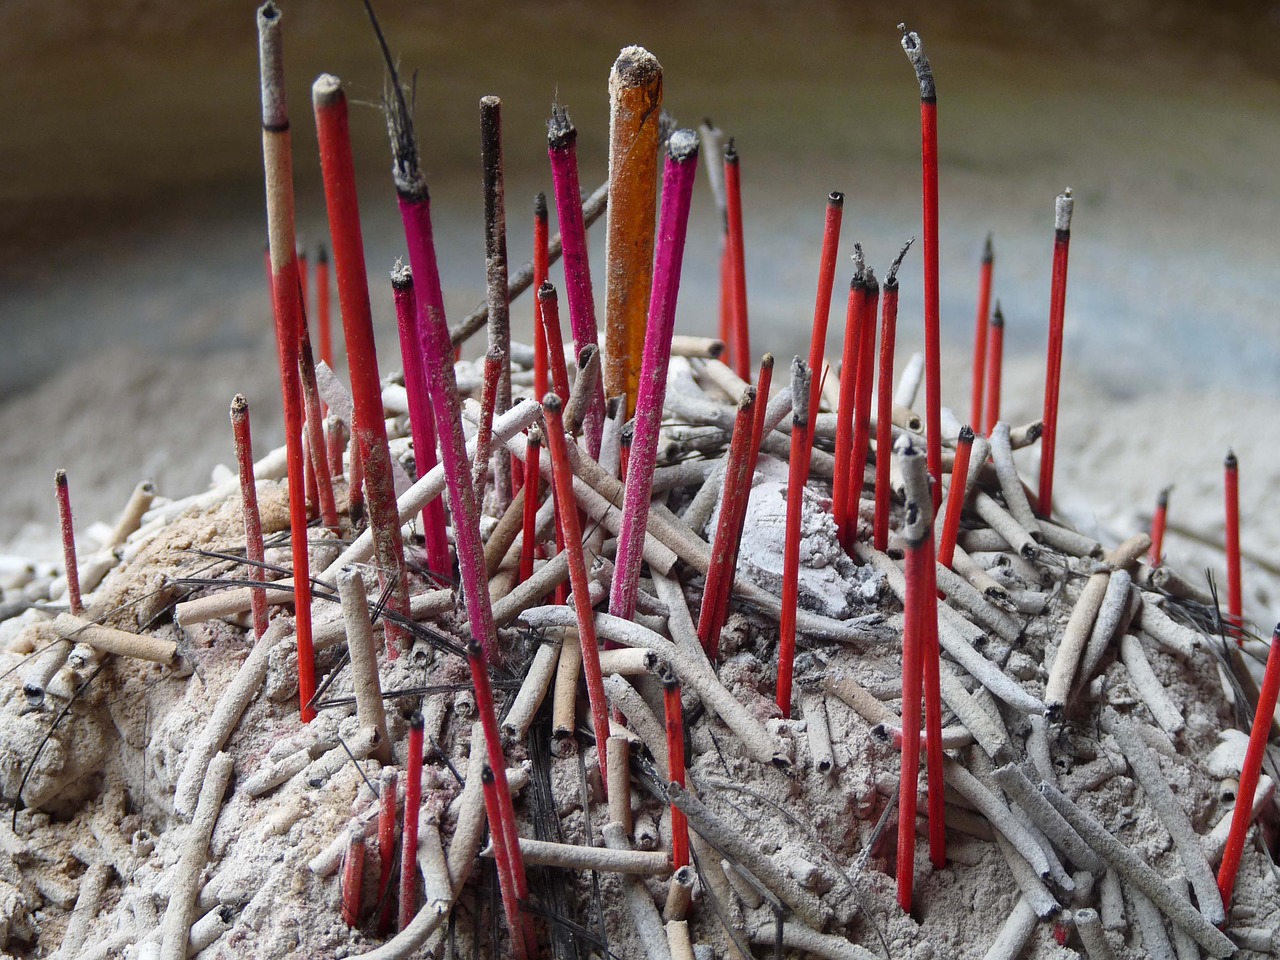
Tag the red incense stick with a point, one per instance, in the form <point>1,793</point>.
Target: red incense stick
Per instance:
<point>677,193</point>
<point>562,148</point>
<point>862,404</point>
<point>386,843</point>
<point>955,497</point>
<point>929,193</point>
<point>930,654</point>
<point>736,482</point>
<point>502,860</point>
<point>675,765</point>
<point>980,331</point>
<point>1258,736</point>
<point>353,875</point>
<point>1053,373</point>
<point>278,166</point>
<point>995,367</point>
<point>822,306</point>
<point>302,277</point>
<point>797,469</point>
<point>844,410</point>
<point>739,329</point>
<point>422,421</point>
<point>253,548</point>
<point>549,305</point>
<point>369,428</point>
<point>1158,520</point>
<point>884,400</point>
<point>409,836</point>
<point>1235,593</point>
<point>324,322</point>
<point>69,560</point>
<point>562,477</point>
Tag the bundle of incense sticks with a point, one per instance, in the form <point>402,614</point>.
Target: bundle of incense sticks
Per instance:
<point>667,724</point>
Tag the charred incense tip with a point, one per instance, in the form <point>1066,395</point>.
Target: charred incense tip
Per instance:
<point>60,478</point>
<point>635,67</point>
<point>547,291</point>
<point>859,267</point>
<point>988,252</point>
<point>670,682</point>
<point>552,404</point>
<point>540,206</point>
<point>628,433</point>
<point>275,114</point>
<point>748,398</point>
<point>872,283</point>
<point>322,254</point>
<point>405,167</point>
<point>891,278</point>
<point>401,276</point>
<point>914,50</point>
<point>800,383</point>
<point>534,435</point>
<point>1063,208</point>
<point>239,407</point>
<point>666,127</point>
<point>326,90</point>
<point>731,152</point>
<point>416,721</point>
<point>1162,498</point>
<point>997,316</point>
<point>766,362</point>
<point>835,198</point>
<point>486,775</point>
<point>1230,462</point>
<point>966,434</point>
<point>683,146</point>
<point>561,132</point>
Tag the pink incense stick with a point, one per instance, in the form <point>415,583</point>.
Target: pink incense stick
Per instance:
<point>369,428</point>
<point>1235,591</point>
<point>980,331</point>
<point>422,421</point>
<point>433,332</point>
<point>797,470</point>
<point>69,560</point>
<point>562,148</point>
<point>541,260</point>
<point>677,192</point>
<point>862,402</point>
<point>282,258</point>
<point>884,400</point>
<point>1063,209</point>
<point>253,547</point>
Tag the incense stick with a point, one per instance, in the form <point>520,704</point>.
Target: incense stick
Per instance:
<point>796,470</point>
<point>822,305</point>
<point>70,563</point>
<point>995,368</point>
<point>980,331</point>
<point>739,336</point>
<point>1235,594</point>
<point>252,521</point>
<point>1053,374</point>
<point>1158,521</point>
<point>845,410</point>
<point>862,401</point>
<point>884,399</point>
<point>495,265</point>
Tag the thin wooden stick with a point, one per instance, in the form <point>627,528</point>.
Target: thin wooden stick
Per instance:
<point>278,165</point>
<point>494,361</point>
<point>677,192</point>
<point>796,470</point>
<point>1053,374</point>
<point>739,329</point>
<point>495,263</point>
<point>995,368</point>
<point>980,331</point>
<point>635,102</point>
<point>422,421</point>
<point>368,429</point>
<point>562,149</point>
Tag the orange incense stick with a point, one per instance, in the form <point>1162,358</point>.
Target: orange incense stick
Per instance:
<point>635,104</point>
<point>980,330</point>
<point>955,497</point>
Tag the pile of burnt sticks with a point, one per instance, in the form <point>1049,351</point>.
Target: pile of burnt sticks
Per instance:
<point>614,518</point>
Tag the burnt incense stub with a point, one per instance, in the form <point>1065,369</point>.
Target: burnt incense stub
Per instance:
<point>561,132</point>
<point>920,62</point>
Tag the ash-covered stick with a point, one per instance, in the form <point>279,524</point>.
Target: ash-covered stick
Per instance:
<point>1063,207</point>
<point>409,834</point>
<point>335,443</point>
<point>822,304</point>
<point>929,195</point>
<point>533,453</point>
<point>494,361</point>
<point>862,401</point>
<point>674,715</point>
<point>324,316</point>
<point>736,485</point>
<point>635,102</point>
<point>677,192</point>
<point>422,421</point>
<point>796,470</point>
<point>884,400</point>
<point>67,528</point>
<point>980,331</point>
<point>1235,594</point>
<point>854,318</point>
<point>364,662</point>
<point>314,425</point>
<point>995,368</point>
<point>562,149</point>
<point>955,497</point>
<point>739,328</point>
<point>368,429</point>
<point>1250,771</point>
<point>278,165</point>
<point>1158,521</point>
<point>567,514</point>
<point>541,263</point>
<point>495,266</point>
<point>592,209</point>
<point>1015,495</point>
<point>253,548</point>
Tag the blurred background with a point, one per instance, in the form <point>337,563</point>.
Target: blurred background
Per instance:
<point>133,302</point>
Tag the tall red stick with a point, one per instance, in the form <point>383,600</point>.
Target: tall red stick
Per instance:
<point>278,166</point>
<point>1053,373</point>
<point>822,306</point>
<point>739,329</point>
<point>369,429</point>
<point>253,547</point>
<point>567,512</point>
<point>884,400</point>
<point>929,194</point>
<point>675,765</point>
<point>911,684</point>
<point>955,497</point>
<point>797,468</point>
<point>1258,735</point>
<point>1235,592</point>
<point>844,410</point>
<point>980,331</point>
<point>862,404</point>
<point>995,367</point>
<point>930,655</point>
<point>324,321</point>
<point>65,524</point>
<point>541,258</point>
<point>409,836</point>
<point>1158,520</point>
<point>422,422</point>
